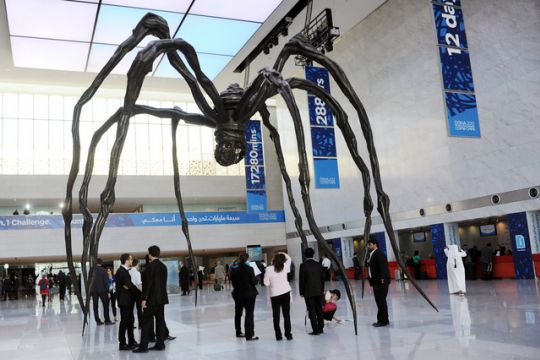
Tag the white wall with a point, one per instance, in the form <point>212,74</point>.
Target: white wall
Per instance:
<point>392,60</point>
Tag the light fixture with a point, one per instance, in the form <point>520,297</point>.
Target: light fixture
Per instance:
<point>27,206</point>
<point>61,205</point>
<point>6,266</point>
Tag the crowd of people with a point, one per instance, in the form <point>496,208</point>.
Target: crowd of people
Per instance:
<point>141,290</point>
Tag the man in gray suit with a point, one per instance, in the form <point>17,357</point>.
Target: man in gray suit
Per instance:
<point>311,283</point>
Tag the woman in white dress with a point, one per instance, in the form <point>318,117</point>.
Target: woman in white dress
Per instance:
<point>455,269</point>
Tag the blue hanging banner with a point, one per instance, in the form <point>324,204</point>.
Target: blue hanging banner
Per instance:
<point>458,86</point>
<point>254,166</point>
<point>322,132</point>
<point>439,243</point>
<point>381,239</point>
<point>521,245</point>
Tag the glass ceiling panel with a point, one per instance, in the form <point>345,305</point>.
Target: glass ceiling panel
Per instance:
<point>210,64</point>
<point>166,5</point>
<point>216,36</point>
<point>36,53</point>
<point>116,23</point>
<point>63,20</point>
<point>253,10</point>
<point>100,54</point>
<point>217,29</point>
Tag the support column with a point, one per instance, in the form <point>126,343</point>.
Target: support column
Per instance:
<point>390,253</point>
<point>381,239</point>
<point>521,245</point>
<point>533,221</point>
<point>451,234</point>
<point>439,243</point>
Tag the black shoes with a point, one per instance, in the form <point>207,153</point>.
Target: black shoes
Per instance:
<point>252,338</point>
<point>140,350</point>
<point>289,337</point>
<point>378,324</point>
<point>157,348</point>
<point>124,347</point>
<point>314,333</point>
<point>240,335</point>
<point>109,322</point>
<point>99,322</point>
<point>169,337</point>
<point>279,338</point>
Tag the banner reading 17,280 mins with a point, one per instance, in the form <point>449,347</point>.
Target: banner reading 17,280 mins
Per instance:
<point>323,139</point>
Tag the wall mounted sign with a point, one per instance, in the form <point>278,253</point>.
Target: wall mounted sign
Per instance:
<point>40,222</point>
<point>458,86</point>
<point>254,166</point>
<point>323,138</point>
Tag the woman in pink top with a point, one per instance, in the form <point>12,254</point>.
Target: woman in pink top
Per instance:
<point>275,278</point>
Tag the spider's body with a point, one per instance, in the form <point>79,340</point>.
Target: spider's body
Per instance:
<point>230,135</point>
<point>228,115</point>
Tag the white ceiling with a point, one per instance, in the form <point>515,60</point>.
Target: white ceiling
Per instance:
<point>85,34</point>
<point>346,14</point>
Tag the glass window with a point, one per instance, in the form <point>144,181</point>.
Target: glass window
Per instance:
<point>11,102</point>
<point>57,155</point>
<point>156,149</point>
<point>41,107</point>
<point>69,105</point>
<point>41,147</point>
<point>10,146</point>
<point>56,107</point>
<point>128,160</point>
<point>26,147</point>
<point>35,135</point>
<point>143,159</point>
<point>26,107</point>
<point>100,110</point>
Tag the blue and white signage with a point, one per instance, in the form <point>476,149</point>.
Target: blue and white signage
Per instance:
<point>521,245</point>
<point>462,114</point>
<point>323,138</point>
<point>458,86</point>
<point>20,222</point>
<point>254,166</point>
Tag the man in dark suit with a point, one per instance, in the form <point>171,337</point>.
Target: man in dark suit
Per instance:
<point>311,283</point>
<point>126,293</point>
<point>379,279</point>
<point>244,294</point>
<point>100,290</point>
<point>153,300</point>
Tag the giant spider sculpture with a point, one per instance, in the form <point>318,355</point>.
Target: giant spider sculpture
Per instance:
<point>229,114</point>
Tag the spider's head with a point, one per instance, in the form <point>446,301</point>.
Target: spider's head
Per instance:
<point>230,137</point>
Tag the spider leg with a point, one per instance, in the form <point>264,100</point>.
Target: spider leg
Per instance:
<point>150,24</point>
<point>275,80</point>
<point>185,227</point>
<point>274,135</point>
<point>346,130</point>
<point>83,204</point>
<point>298,45</point>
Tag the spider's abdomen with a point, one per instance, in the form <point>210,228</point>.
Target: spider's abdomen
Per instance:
<point>230,138</point>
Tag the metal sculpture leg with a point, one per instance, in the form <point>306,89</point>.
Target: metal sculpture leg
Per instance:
<point>285,91</point>
<point>348,134</point>
<point>299,46</point>
<point>274,135</point>
<point>185,228</point>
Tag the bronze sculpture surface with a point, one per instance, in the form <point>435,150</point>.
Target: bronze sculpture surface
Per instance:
<point>228,115</point>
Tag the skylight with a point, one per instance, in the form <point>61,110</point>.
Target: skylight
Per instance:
<point>82,35</point>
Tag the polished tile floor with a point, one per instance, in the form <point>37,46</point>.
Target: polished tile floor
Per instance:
<point>499,319</point>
